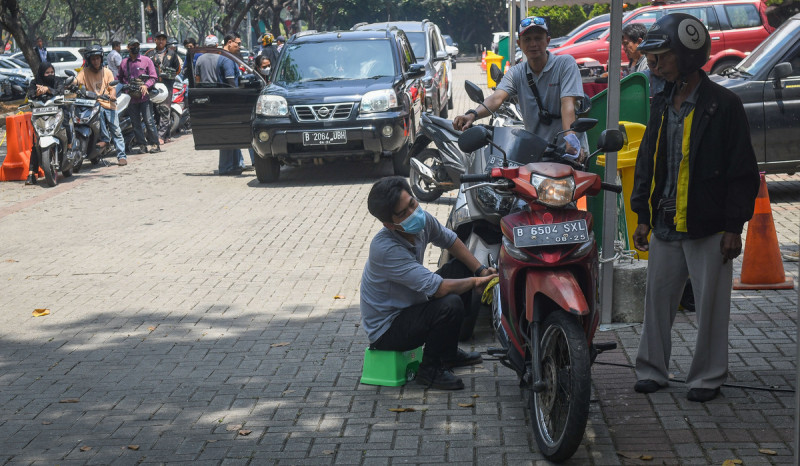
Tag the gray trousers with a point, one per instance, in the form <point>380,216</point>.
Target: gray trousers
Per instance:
<point>670,263</point>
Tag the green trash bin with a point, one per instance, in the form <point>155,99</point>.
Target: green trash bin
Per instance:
<point>634,107</point>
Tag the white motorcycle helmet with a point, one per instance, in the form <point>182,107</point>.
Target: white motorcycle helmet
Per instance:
<point>158,93</point>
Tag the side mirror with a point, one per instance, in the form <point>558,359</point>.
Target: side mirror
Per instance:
<point>583,104</point>
<point>417,70</point>
<point>70,80</point>
<point>474,138</point>
<point>782,70</point>
<point>474,92</point>
<point>441,55</point>
<point>495,73</point>
<point>610,140</point>
<point>582,125</point>
<point>69,72</point>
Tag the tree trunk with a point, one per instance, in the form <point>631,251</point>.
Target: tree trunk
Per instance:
<point>11,21</point>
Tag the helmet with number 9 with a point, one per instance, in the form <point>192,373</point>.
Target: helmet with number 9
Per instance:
<point>683,34</point>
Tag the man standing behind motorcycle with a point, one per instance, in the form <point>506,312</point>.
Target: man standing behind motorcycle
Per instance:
<point>167,65</point>
<point>96,78</point>
<point>546,86</point>
<point>695,186</point>
<point>403,304</point>
<point>140,109</point>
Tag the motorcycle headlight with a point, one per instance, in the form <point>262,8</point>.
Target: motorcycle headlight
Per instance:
<point>47,125</point>
<point>554,192</point>
<point>272,106</point>
<point>378,101</point>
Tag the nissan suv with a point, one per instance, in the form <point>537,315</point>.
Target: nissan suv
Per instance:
<point>430,50</point>
<point>342,95</point>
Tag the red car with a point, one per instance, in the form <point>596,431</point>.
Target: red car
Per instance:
<point>736,28</point>
<point>589,33</point>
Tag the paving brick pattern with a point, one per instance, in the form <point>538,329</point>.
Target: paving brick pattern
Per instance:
<point>214,320</point>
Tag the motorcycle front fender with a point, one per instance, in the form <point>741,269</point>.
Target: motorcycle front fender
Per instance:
<point>177,108</point>
<point>46,141</point>
<point>558,285</point>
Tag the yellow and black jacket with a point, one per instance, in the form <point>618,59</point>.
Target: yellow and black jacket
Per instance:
<point>718,181</point>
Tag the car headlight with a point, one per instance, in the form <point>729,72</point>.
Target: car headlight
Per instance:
<point>554,192</point>
<point>272,106</point>
<point>378,101</point>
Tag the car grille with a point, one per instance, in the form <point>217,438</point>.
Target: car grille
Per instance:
<point>323,112</point>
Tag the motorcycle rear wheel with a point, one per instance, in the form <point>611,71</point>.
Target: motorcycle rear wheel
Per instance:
<point>49,166</point>
<point>175,121</point>
<point>559,413</point>
<point>421,189</point>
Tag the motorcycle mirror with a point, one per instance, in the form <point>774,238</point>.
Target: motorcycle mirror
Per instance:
<point>583,104</point>
<point>69,72</point>
<point>473,91</point>
<point>473,138</point>
<point>582,125</point>
<point>495,73</point>
<point>610,140</point>
<point>70,80</point>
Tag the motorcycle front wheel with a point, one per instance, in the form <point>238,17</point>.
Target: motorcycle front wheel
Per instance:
<point>559,413</point>
<point>175,123</point>
<point>423,190</point>
<point>50,166</point>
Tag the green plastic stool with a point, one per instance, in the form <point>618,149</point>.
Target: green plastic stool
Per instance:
<point>390,368</point>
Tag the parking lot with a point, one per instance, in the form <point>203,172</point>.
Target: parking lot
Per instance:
<point>214,320</point>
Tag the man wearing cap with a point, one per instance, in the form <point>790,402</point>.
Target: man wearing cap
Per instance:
<point>546,85</point>
<point>167,65</point>
<point>141,110</point>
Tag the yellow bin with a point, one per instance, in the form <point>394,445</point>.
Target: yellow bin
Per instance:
<point>626,166</point>
<point>492,57</point>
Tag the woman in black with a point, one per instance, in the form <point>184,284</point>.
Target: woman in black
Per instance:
<point>44,87</point>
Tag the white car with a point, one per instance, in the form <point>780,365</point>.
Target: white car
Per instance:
<point>14,66</point>
<point>451,48</point>
<point>62,58</point>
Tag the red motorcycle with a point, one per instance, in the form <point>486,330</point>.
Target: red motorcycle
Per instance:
<point>545,305</point>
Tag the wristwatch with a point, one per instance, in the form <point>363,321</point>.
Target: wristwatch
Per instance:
<point>480,269</point>
<point>472,112</point>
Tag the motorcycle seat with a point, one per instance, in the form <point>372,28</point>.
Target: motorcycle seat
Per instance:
<point>444,124</point>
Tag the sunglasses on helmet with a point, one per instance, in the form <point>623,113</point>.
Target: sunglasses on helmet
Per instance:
<point>535,20</point>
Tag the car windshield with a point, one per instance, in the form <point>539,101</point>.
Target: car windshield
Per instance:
<point>336,60</point>
<point>417,40</point>
<point>765,52</point>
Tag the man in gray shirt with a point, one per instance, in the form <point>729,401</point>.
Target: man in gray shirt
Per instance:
<point>403,304</point>
<point>557,81</point>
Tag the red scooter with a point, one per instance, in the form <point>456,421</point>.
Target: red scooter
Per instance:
<point>545,306</point>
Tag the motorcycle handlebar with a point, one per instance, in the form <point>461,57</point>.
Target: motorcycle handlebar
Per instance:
<point>611,187</point>
<point>475,178</point>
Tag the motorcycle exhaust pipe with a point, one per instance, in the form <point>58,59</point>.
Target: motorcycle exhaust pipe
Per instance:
<point>424,171</point>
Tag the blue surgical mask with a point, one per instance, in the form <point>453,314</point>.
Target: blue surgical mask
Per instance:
<point>414,223</point>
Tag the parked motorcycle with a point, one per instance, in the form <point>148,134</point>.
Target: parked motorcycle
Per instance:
<point>545,307</point>
<point>179,112</point>
<point>50,119</point>
<point>86,118</point>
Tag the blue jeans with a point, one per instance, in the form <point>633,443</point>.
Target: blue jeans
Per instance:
<point>252,156</point>
<point>230,160</point>
<point>110,120</point>
<point>142,115</point>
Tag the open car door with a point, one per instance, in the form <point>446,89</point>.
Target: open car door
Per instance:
<point>221,114</point>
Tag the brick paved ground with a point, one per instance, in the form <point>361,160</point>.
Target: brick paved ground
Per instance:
<point>214,320</point>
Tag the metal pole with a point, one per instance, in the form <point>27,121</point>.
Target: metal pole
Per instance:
<point>797,382</point>
<point>144,29</point>
<point>178,17</point>
<point>160,13</point>
<point>249,31</point>
<point>523,9</point>
<point>511,41</point>
<point>610,201</point>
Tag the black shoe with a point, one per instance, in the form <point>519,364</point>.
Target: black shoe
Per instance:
<point>702,395</point>
<point>439,378</point>
<point>464,358</point>
<point>155,149</point>
<point>234,172</point>
<point>647,386</point>
<point>31,180</point>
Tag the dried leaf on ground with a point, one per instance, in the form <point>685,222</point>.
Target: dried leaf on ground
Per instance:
<point>69,400</point>
<point>133,447</point>
<point>466,405</point>
<point>245,432</point>
<point>85,448</point>
<point>151,328</point>
<point>767,451</point>
<point>731,462</point>
<point>476,396</point>
<point>338,296</point>
<point>328,452</point>
<point>634,456</point>
<point>41,312</point>
<point>278,345</point>
<point>402,410</point>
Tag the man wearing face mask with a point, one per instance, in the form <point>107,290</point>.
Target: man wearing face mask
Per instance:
<point>140,108</point>
<point>403,304</point>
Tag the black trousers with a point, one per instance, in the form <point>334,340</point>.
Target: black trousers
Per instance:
<point>435,323</point>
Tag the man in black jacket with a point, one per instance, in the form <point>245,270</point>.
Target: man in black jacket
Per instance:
<point>168,65</point>
<point>695,186</point>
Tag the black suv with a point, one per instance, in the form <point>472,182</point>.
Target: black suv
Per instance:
<point>332,95</point>
<point>431,51</point>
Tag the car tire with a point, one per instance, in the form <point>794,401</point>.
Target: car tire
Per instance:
<point>723,65</point>
<point>268,169</point>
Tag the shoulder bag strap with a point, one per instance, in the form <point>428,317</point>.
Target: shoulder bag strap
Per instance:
<point>535,91</point>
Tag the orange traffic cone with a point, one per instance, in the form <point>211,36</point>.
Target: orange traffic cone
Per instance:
<point>762,265</point>
<point>508,65</point>
<point>483,61</point>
